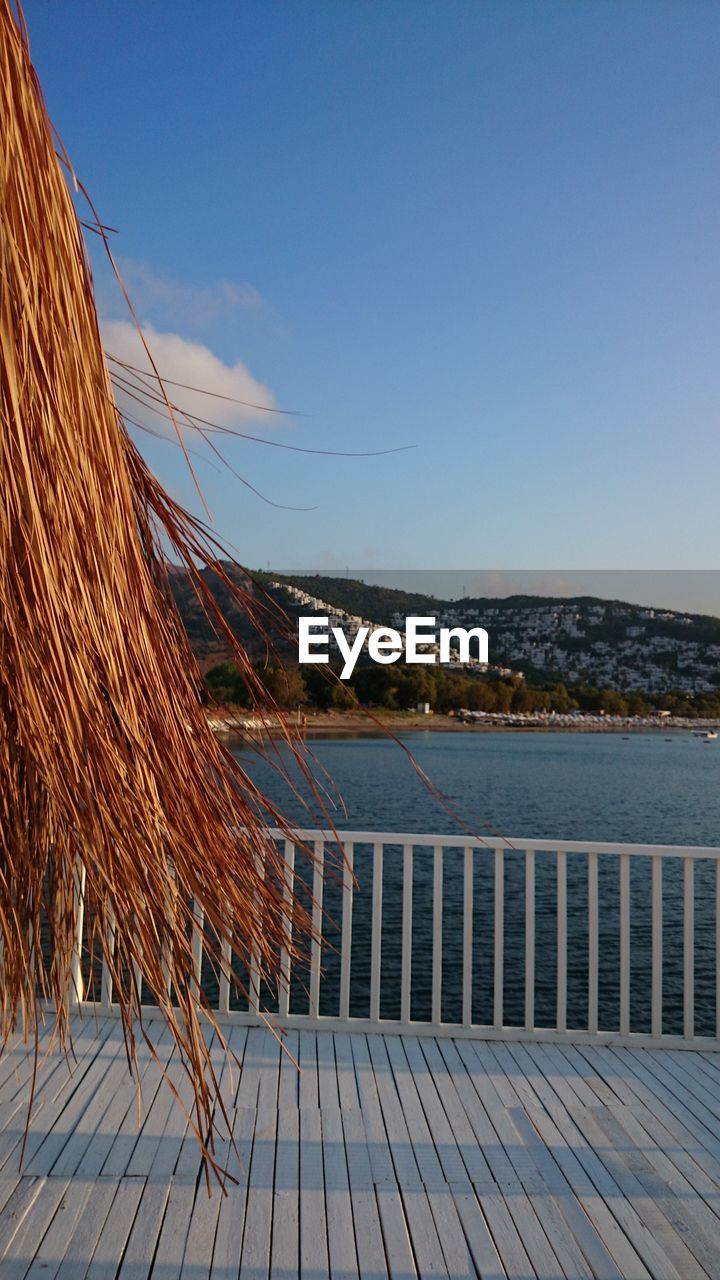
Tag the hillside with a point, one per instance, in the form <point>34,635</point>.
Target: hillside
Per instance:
<point>608,643</point>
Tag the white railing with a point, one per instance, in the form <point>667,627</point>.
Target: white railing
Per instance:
<point>496,938</point>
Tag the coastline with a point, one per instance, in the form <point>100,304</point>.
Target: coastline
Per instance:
<point>229,722</point>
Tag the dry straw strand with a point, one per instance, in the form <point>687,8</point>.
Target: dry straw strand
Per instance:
<point>107,762</point>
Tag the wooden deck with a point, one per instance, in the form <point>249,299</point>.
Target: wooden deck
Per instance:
<point>386,1155</point>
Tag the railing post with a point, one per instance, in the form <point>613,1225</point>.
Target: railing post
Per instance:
<point>468,904</point>
<point>197,941</point>
<point>529,939</point>
<point>106,990</point>
<point>376,931</point>
<point>656,1015</point>
<point>689,948</point>
<point>407,927</point>
<point>316,944</point>
<point>717,948</point>
<point>561,1008</point>
<point>624,944</point>
<point>288,886</point>
<point>254,966</point>
<point>593,942</point>
<point>78,992</point>
<point>346,939</point>
<point>437,938</point>
<point>499,940</point>
<point>224,982</point>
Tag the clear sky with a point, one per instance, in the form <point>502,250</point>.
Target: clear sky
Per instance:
<point>489,230</point>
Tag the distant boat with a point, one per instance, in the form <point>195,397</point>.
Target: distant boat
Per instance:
<point>708,735</point>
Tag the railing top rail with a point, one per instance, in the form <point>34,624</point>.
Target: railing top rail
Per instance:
<point>519,843</point>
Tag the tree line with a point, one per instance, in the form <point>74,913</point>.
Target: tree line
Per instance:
<point>396,688</point>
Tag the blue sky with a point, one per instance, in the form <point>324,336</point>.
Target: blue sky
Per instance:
<point>489,230</point>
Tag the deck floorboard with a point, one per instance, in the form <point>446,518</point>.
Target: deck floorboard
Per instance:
<point>385,1157</point>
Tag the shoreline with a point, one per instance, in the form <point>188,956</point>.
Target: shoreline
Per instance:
<point>312,724</point>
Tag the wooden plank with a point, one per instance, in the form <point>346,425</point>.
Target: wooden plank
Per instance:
<point>314,1258</point>
<point>447,1162</point>
<point>655,1201</point>
<point>328,1095</point>
<point>285,1243</point>
<point>63,1150</point>
<point>44,1142</point>
<point>470,1083</point>
<point>507,1241</point>
<point>50,1253</point>
<point>249,1082</point>
<point>256,1243</point>
<point>395,1234</point>
<point>236,1038</point>
<point>346,1082</point>
<point>567,1206</point>
<point>372,1116</point>
<point>638,1083</point>
<point>125,1140</point>
<point>570,1257</point>
<point>184,1200</point>
<point>269,1073</point>
<point>407,1173</point>
<point>455,1248</point>
<point>427,1250</point>
<point>124,1103</point>
<point>648,1140</point>
<point>18,1058</point>
<point>88,1229</point>
<point>145,1229</point>
<point>364,1207</point>
<point>438,1079</point>
<point>309,1088</point>
<point>625,1236</point>
<point>23,1234</point>
<point>231,1217</point>
<point>158,1157</point>
<point>342,1252</point>
<point>480,1242</point>
<point>288,1084</point>
<point>419,1136</point>
<point>116,1229</point>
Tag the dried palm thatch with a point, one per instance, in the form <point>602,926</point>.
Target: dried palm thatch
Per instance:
<point>107,762</point>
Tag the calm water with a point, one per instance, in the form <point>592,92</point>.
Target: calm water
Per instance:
<point>647,789</point>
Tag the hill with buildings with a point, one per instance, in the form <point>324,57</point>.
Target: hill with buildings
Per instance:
<point>584,640</point>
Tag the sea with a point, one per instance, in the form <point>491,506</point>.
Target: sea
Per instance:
<point>659,787</point>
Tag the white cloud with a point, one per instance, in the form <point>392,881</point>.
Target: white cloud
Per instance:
<point>181,361</point>
<point>164,300</point>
